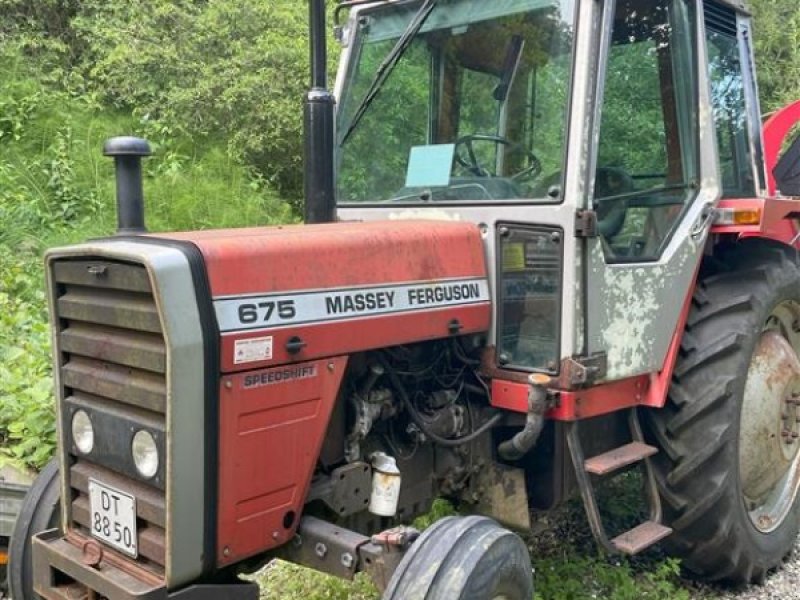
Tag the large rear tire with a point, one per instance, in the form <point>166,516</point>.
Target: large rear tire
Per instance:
<point>40,511</point>
<point>464,558</point>
<point>729,469</point>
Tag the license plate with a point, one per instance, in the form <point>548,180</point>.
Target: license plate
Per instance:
<point>113,517</point>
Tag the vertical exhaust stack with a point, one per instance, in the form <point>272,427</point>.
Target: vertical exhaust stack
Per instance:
<point>127,153</point>
<point>320,200</point>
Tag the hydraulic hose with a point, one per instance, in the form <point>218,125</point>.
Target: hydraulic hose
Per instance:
<point>420,422</point>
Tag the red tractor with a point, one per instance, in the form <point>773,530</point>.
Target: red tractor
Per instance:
<point>547,241</point>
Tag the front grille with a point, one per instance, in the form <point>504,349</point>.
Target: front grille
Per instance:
<point>112,361</point>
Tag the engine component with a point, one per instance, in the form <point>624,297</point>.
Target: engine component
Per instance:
<point>347,490</point>
<point>369,404</point>
<point>519,445</point>
<point>386,482</point>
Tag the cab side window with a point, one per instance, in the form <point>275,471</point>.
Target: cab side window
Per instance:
<point>647,163</point>
<point>728,100</point>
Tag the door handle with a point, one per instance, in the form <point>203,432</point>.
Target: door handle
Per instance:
<point>705,219</point>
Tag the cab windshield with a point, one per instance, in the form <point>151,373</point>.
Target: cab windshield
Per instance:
<point>475,110</point>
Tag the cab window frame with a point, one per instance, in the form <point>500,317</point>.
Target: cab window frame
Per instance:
<point>689,148</point>
<point>435,93</point>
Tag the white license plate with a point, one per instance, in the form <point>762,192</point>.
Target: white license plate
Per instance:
<point>113,517</point>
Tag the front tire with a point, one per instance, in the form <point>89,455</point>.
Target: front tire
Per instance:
<point>729,467</point>
<point>40,512</point>
<point>461,558</point>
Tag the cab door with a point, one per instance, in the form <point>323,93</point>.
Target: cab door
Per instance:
<point>655,185</point>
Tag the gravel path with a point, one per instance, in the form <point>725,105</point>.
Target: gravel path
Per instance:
<point>782,585</point>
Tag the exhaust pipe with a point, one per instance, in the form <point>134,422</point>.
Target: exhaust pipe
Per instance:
<point>320,199</point>
<point>127,153</point>
<point>522,443</point>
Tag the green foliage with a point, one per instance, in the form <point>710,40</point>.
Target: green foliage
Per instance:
<point>236,69</point>
<point>777,46</point>
<point>27,429</point>
<point>577,577</point>
<point>56,187</point>
<point>286,580</point>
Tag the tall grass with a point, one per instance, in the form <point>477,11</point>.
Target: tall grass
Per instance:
<point>56,187</point>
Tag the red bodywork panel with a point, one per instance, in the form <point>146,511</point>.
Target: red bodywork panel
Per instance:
<point>338,288</point>
<point>779,219</point>
<point>777,127</point>
<point>272,423</point>
<point>303,259</point>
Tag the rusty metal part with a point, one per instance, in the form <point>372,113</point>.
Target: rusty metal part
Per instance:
<point>379,564</point>
<point>136,349</point>
<point>503,495</point>
<point>618,458</point>
<point>76,539</point>
<point>640,537</point>
<point>323,546</point>
<point>573,373</point>
<point>103,274</point>
<point>582,371</point>
<point>397,537</point>
<point>769,455</point>
<point>114,308</point>
<point>346,491</point>
<point>341,552</point>
<point>123,384</point>
<point>61,574</point>
<point>92,553</point>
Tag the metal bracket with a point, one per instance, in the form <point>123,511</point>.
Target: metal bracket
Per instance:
<point>337,551</point>
<point>581,371</point>
<point>586,224</point>
<point>325,547</point>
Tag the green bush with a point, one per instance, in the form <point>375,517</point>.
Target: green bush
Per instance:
<point>777,45</point>
<point>56,188</point>
<point>237,69</point>
<point>27,428</point>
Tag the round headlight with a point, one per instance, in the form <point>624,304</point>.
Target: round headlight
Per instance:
<point>145,453</point>
<point>82,432</point>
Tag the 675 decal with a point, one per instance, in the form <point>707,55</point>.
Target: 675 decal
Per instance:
<point>267,312</point>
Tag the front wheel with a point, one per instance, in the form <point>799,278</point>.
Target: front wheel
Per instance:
<point>40,511</point>
<point>729,470</point>
<point>461,558</point>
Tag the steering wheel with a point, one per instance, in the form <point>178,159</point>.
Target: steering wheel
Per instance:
<point>473,165</point>
<point>611,211</point>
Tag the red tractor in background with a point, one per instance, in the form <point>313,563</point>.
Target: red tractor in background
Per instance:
<point>546,241</point>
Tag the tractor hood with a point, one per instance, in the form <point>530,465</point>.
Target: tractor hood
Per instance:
<point>294,293</point>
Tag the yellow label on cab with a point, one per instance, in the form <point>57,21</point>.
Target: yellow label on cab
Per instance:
<point>514,257</point>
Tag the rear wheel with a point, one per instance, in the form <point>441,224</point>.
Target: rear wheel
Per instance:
<point>460,558</point>
<point>40,511</point>
<point>729,469</point>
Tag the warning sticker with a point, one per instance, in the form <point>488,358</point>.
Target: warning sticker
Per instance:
<point>252,350</point>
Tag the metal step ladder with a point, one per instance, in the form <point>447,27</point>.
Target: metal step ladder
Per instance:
<point>609,463</point>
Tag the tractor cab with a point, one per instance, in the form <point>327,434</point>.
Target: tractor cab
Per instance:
<point>577,134</point>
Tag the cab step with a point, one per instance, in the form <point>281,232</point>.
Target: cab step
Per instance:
<point>641,537</point>
<point>616,459</point>
<point>636,452</point>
